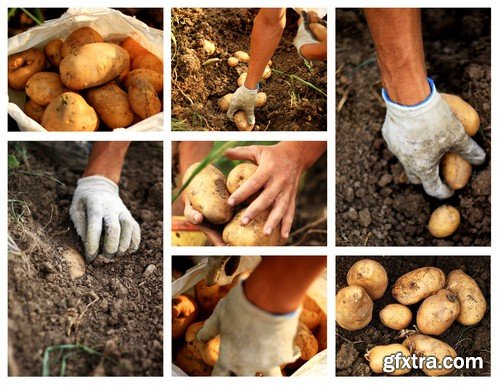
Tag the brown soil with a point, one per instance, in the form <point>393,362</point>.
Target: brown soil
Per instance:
<point>472,341</point>
<point>196,89</point>
<point>47,308</point>
<point>376,206</point>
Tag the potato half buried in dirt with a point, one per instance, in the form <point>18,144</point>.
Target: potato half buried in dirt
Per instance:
<point>376,355</point>
<point>235,234</point>
<point>444,221</point>
<point>472,302</point>
<point>143,97</point>
<point>396,316</point>
<point>418,284</point>
<point>23,65</point>
<point>353,308</point>
<point>70,112</point>
<point>43,87</point>
<point>112,105</point>
<point>370,275</point>
<point>437,312</point>
<point>208,194</point>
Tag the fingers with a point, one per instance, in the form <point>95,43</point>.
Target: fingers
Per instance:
<point>262,202</point>
<point>250,116</point>
<point>256,182</point>
<point>243,153</point>
<point>191,215</point>
<point>136,237</point>
<point>213,235</point>
<point>111,236</point>
<point>94,230</point>
<point>210,328</point>
<point>78,215</point>
<point>273,372</point>
<point>433,185</point>
<point>279,210</point>
<point>470,151</point>
<point>412,177</point>
<point>230,113</point>
<point>287,221</point>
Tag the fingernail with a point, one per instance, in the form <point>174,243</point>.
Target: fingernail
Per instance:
<point>267,231</point>
<point>245,220</point>
<point>230,201</point>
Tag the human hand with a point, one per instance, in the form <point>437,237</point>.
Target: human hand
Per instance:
<point>312,30</point>
<point>196,218</point>
<point>96,206</point>
<point>249,337</point>
<point>420,135</point>
<point>243,99</point>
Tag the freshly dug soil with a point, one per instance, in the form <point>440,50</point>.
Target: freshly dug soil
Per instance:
<point>197,88</point>
<point>472,341</point>
<point>116,307</point>
<point>376,206</point>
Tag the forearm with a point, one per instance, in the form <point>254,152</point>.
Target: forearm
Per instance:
<point>192,152</point>
<point>397,35</point>
<point>307,152</point>
<point>266,35</point>
<point>106,159</point>
<point>279,284</point>
<point>315,51</point>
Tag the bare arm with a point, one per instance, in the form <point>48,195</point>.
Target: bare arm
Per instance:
<point>106,159</point>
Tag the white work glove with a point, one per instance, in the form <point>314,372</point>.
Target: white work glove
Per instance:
<point>244,100</point>
<point>420,135</point>
<point>251,339</point>
<point>304,34</point>
<point>96,204</point>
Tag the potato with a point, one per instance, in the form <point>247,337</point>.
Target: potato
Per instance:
<point>239,175</point>
<point>34,111</point>
<point>444,221</point>
<point>209,296</point>
<point>143,98</point>
<point>233,62</point>
<point>184,313</point>
<point>78,38</point>
<point>426,346</point>
<point>69,112</point>
<point>418,284</point>
<point>241,121</point>
<point>269,63</point>
<point>456,170</point>
<point>224,102</point>
<point>92,65</point>
<point>261,99</point>
<point>155,78</point>
<point>437,312</point>
<point>472,302</point>
<point>322,333</point>
<point>306,342</point>
<point>211,351</point>
<point>310,304</point>
<point>353,308</point>
<point>464,112</point>
<point>148,62</point>
<point>43,87</point>
<point>396,316</point>
<point>112,105</point>
<point>191,365</point>
<point>241,79</point>
<point>133,48</point>
<point>376,355</point>
<point>267,73</point>
<point>23,65</point>
<point>52,52</point>
<point>194,345</point>
<point>309,318</point>
<point>208,47</point>
<point>370,275</point>
<point>208,194</point>
<point>235,234</point>
<point>242,56</point>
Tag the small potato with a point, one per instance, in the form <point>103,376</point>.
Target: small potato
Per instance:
<point>211,351</point>
<point>418,284</point>
<point>472,302</point>
<point>464,112</point>
<point>133,48</point>
<point>269,63</point>
<point>239,175</point>
<point>396,316</point>
<point>241,121</point>
<point>224,102</point>
<point>426,346</point>
<point>112,105</point>
<point>353,308</point>
<point>444,221</point>
<point>43,87</point>
<point>155,78</point>
<point>233,62</point>
<point>23,65</point>
<point>456,170</point>
<point>267,73</point>
<point>376,355</point>
<point>309,318</point>
<point>148,62</point>
<point>235,234</point>
<point>242,78</point>
<point>306,342</point>
<point>207,193</point>
<point>370,275</point>
<point>184,313</point>
<point>207,296</point>
<point>242,56</point>
<point>143,98</point>
<point>194,345</point>
<point>208,47</point>
<point>191,365</point>
<point>52,51</point>
<point>34,111</point>
<point>69,112</point>
<point>261,99</point>
<point>78,38</point>
<point>437,312</point>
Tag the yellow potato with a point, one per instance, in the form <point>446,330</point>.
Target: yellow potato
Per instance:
<point>418,284</point>
<point>239,175</point>
<point>193,344</point>
<point>143,97</point>
<point>306,342</point>
<point>235,234</point>
<point>241,121</point>
<point>396,316</point>
<point>52,51</point>
<point>444,221</point>
<point>191,365</point>
<point>464,112</point>
<point>148,61</point>
<point>43,87</point>
<point>34,111</point>
<point>437,312</point>
<point>23,65</point>
<point>370,275</point>
<point>112,105</point>
<point>155,78</point>
<point>267,73</point>
<point>322,333</point>
<point>353,308</point>
<point>261,99</point>
<point>233,62</point>
<point>472,302</point>
<point>184,313</point>
<point>242,56</point>
<point>309,318</point>
<point>241,79</point>
<point>208,47</point>
<point>78,38</point>
<point>224,102</point>
<point>211,351</point>
<point>456,170</point>
<point>376,355</point>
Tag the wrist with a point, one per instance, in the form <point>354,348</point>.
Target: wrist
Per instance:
<point>98,181</point>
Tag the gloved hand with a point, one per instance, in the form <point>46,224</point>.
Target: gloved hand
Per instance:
<point>244,100</point>
<point>96,204</point>
<point>312,30</point>
<point>252,340</point>
<point>420,135</point>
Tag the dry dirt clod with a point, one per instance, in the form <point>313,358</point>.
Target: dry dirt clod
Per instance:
<point>75,263</point>
<point>149,270</point>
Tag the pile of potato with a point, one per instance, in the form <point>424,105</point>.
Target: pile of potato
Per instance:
<point>197,358</point>
<point>456,171</point>
<point>76,84</point>
<point>445,299</point>
<point>208,193</point>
